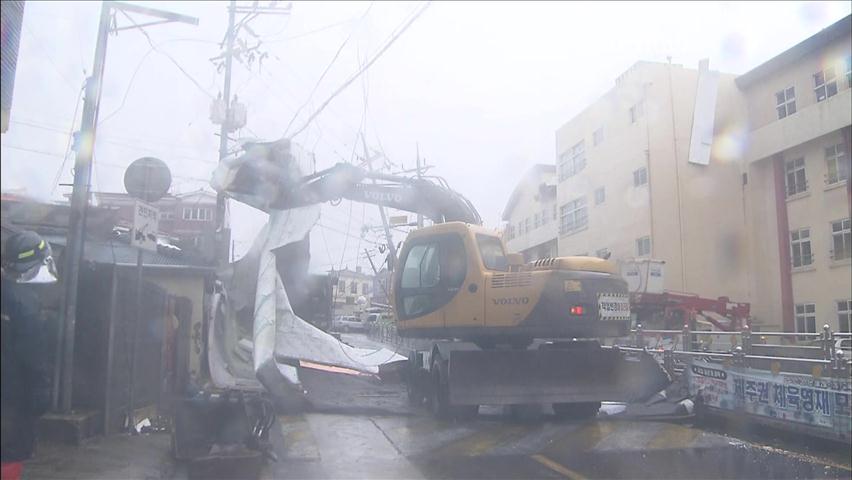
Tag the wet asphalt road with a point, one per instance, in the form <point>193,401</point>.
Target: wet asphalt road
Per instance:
<point>399,442</point>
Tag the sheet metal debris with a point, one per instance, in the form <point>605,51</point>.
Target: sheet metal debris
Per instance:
<point>281,342</point>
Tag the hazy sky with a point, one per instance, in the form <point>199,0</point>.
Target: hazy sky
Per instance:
<point>481,87</point>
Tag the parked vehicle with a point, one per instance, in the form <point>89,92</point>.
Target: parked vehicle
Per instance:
<point>349,323</point>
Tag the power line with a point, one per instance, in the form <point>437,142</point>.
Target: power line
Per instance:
<point>68,144</point>
<point>166,54</point>
<point>311,32</point>
<point>325,72</point>
<point>49,57</point>
<point>363,69</point>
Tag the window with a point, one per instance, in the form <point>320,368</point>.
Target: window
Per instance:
<point>527,225</point>
<point>544,216</point>
<point>167,215</point>
<point>600,196</point>
<point>598,137</point>
<point>825,84</point>
<point>574,216</point>
<point>572,161</point>
<point>844,316</point>
<point>836,164</point>
<point>848,68</point>
<point>366,289</point>
<point>510,231</point>
<point>353,288</point>
<point>797,181</point>
<point>341,286</point>
<point>806,318</point>
<point>554,212</point>
<point>643,246</point>
<point>536,220</point>
<point>521,230</point>
<point>491,251</point>
<point>800,246</point>
<point>602,253</point>
<point>197,213</point>
<point>420,275</point>
<point>841,240</point>
<point>637,111</point>
<point>785,102</point>
<point>640,177</point>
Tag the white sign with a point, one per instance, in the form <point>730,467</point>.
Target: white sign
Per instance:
<point>146,223</point>
<point>613,306</point>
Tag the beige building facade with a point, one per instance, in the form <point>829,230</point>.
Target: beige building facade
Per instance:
<point>797,164</point>
<point>531,215</point>
<point>632,185</point>
<point>740,184</point>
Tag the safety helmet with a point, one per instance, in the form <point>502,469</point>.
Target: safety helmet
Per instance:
<point>28,259</point>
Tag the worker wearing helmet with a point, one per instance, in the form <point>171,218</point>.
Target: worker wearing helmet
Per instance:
<point>26,378</point>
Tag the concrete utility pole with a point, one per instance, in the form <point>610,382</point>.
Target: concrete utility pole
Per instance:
<point>222,240</point>
<point>419,215</point>
<point>82,178</point>
<point>391,246</point>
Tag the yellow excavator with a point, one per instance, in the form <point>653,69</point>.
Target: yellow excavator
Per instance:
<point>495,330</point>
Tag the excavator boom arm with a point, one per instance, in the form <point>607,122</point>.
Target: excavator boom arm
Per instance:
<point>417,195</point>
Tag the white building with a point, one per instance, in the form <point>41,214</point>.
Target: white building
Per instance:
<point>530,215</point>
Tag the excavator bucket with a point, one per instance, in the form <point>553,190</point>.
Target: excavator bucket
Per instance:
<point>500,377</point>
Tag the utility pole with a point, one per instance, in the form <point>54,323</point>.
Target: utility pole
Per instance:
<point>221,241</point>
<point>229,123</point>
<point>391,246</point>
<point>82,178</point>
<point>419,215</point>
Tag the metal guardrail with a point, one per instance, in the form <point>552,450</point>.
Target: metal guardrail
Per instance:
<point>745,352</point>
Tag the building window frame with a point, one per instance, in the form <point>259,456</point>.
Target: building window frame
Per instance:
<point>843,309</point>
<point>600,195</point>
<point>805,318</point>
<point>841,239</point>
<point>643,246</point>
<point>637,111</point>
<point>197,214</point>
<point>785,102</point>
<point>795,176</point>
<point>848,70</point>
<point>640,176</point>
<point>574,216</point>
<point>836,164</point>
<point>825,83</point>
<point>801,248</point>
<point>572,161</point>
<point>536,220</point>
<point>544,218</point>
<point>598,137</point>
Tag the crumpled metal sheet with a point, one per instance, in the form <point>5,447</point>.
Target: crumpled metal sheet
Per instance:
<point>280,339</point>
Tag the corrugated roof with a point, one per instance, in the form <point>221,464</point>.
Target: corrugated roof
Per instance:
<point>792,55</point>
<point>115,252</point>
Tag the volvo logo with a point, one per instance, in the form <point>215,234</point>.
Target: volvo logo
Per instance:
<point>511,301</point>
<point>383,196</point>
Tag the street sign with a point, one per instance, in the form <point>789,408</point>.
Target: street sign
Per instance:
<point>146,223</point>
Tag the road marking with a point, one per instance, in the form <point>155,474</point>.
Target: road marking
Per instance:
<point>483,441</point>
<point>558,467</point>
<point>582,439</point>
<point>673,437</point>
